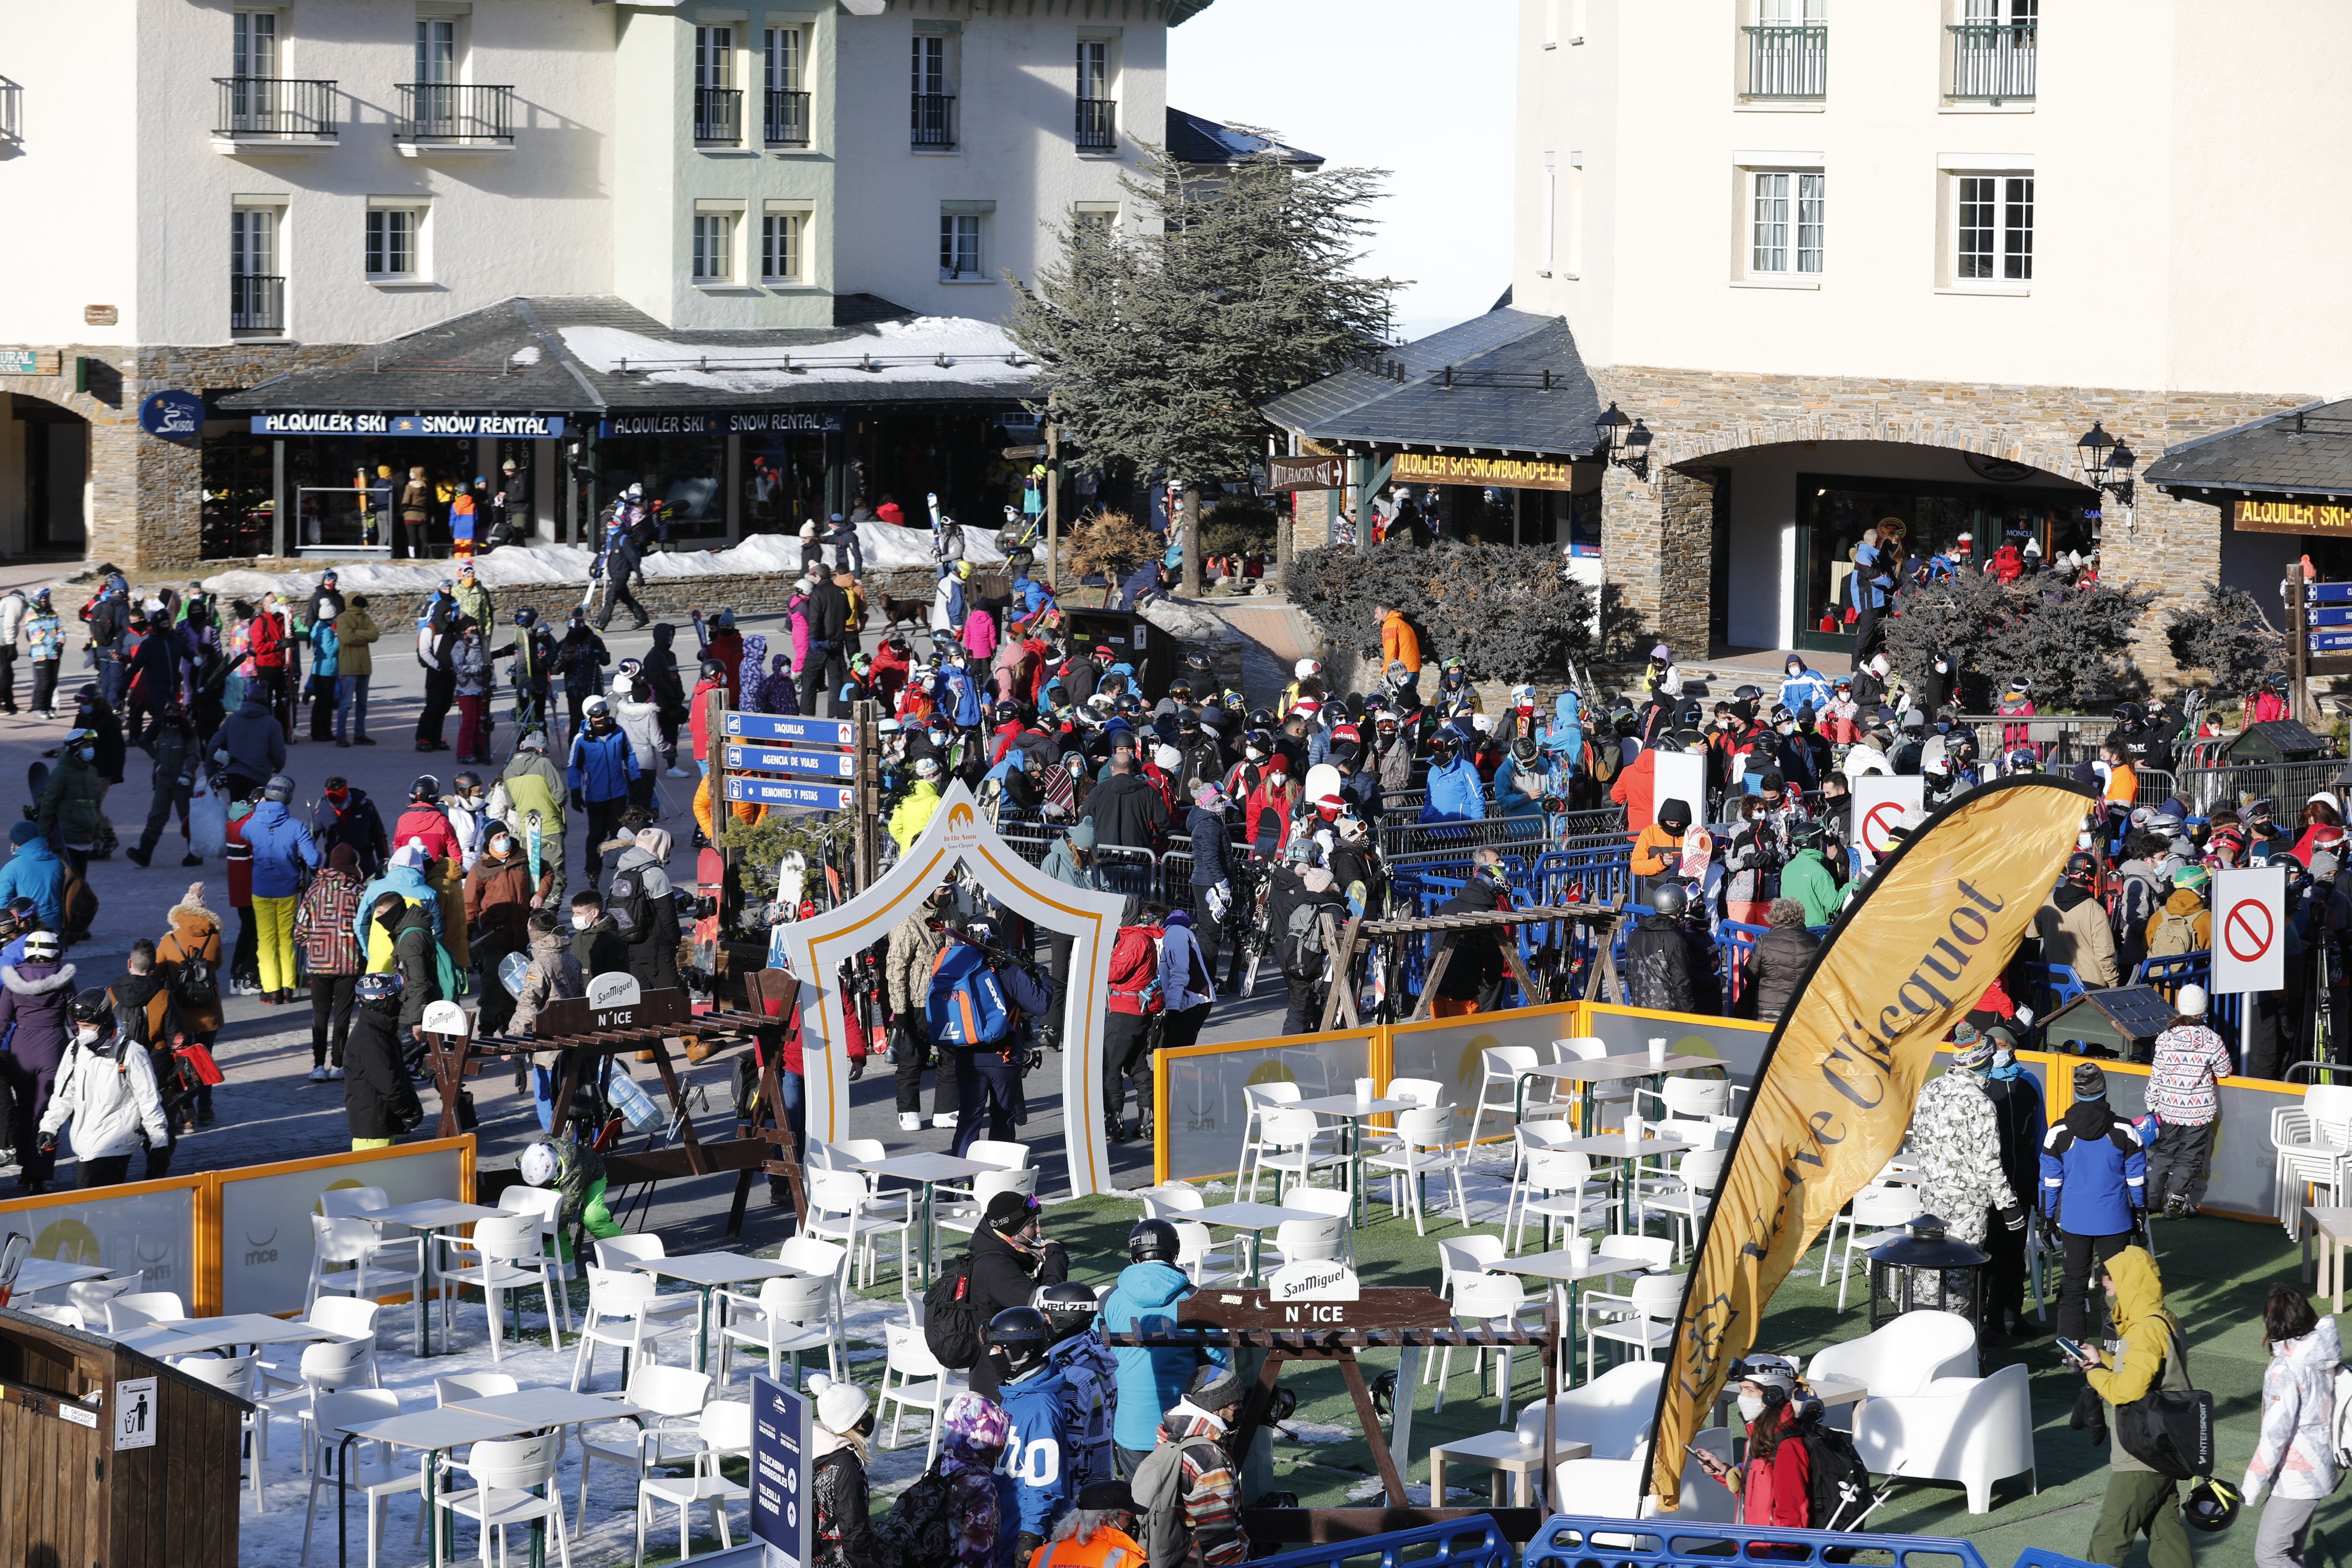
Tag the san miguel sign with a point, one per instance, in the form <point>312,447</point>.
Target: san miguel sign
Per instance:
<point>2290,517</point>
<point>1508,473</point>
<point>613,1002</point>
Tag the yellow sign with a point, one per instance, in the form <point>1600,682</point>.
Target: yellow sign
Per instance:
<point>1510,473</point>
<point>2289,517</point>
<point>1835,1093</point>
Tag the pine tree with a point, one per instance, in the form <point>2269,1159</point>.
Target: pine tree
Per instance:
<point>1158,346</point>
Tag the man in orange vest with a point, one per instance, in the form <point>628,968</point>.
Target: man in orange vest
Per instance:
<point>1098,1534</point>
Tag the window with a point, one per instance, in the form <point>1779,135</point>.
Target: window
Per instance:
<point>254,44</point>
<point>1789,51</point>
<point>714,57</point>
<point>932,106</point>
<point>787,109</point>
<point>1096,220</point>
<point>436,49</point>
<point>1094,68</point>
<point>714,247</point>
<point>779,247</point>
<point>256,291</point>
<point>1993,50</point>
<point>718,107</point>
<point>959,245</point>
<point>784,52</point>
<point>1098,114</point>
<point>392,241</point>
<point>1995,229</point>
<point>1785,232</point>
<point>931,66</point>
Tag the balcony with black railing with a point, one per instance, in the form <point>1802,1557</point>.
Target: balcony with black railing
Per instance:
<point>932,124</point>
<point>274,108</point>
<point>1788,61</point>
<point>1097,125</point>
<point>719,114</point>
<point>460,113</point>
<point>1992,62</point>
<point>788,118</point>
<point>257,302</point>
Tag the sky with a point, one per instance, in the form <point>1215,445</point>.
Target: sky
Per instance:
<point>1380,84</point>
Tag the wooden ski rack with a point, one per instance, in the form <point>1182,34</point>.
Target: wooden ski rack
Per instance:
<point>1601,984</point>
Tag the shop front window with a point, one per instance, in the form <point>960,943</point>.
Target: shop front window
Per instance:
<point>236,520</point>
<point>685,473</point>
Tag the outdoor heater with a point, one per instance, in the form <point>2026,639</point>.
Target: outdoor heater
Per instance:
<point>1925,1270</point>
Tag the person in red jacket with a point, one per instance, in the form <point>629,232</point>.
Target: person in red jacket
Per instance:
<point>1775,1486</point>
<point>1267,819</point>
<point>889,672</point>
<point>726,645</point>
<point>697,710</point>
<point>245,962</point>
<point>266,644</point>
<point>424,821</point>
<point>1636,783</point>
<point>1136,996</point>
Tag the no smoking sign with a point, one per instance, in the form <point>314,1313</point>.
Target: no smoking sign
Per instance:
<point>1882,803</point>
<point>2249,918</point>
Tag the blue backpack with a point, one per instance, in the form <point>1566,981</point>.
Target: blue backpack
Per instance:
<point>967,1006</point>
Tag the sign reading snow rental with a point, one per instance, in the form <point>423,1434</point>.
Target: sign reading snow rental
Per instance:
<point>741,422</point>
<point>1510,473</point>
<point>356,422</point>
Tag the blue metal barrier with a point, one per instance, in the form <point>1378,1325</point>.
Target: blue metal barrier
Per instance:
<point>2168,973</point>
<point>1456,1544</point>
<point>1563,1542</point>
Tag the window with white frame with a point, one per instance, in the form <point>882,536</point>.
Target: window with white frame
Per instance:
<point>436,49</point>
<point>254,44</point>
<point>930,64</point>
<point>783,59</point>
<point>960,255</point>
<point>779,247</point>
<point>1993,228</point>
<point>1786,220</point>
<point>394,242</point>
<point>253,242</point>
<point>714,247</point>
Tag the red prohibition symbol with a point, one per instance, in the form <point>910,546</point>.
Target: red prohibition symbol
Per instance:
<point>2248,930</point>
<point>1883,819</point>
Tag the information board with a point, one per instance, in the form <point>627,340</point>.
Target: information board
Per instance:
<point>778,759</point>
<point>786,792</point>
<point>789,729</point>
<point>784,1502</point>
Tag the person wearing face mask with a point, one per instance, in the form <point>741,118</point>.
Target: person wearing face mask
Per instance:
<point>1775,1486</point>
<point>1957,1133</point>
<point>2022,1123</point>
<point>344,818</point>
<point>69,810</point>
<point>915,947</point>
<point>499,896</point>
<point>602,772</point>
<point>380,1101</point>
<point>106,1088</point>
<point>596,937</point>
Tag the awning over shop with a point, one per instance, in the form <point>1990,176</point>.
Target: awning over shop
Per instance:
<point>1509,383</point>
<point>2291,473</point>
<point>515,367</point>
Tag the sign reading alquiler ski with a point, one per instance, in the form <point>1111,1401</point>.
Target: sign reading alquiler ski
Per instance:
<point>1510,473</point>
<point>353,421</point>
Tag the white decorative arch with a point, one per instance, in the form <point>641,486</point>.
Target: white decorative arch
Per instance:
<point>960,835</point>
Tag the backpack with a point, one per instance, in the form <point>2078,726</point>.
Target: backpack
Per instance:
<point>951,1321</point>
<point>2342,1435</point>
<point>195,983</point>
<point>2170,1430</point>
<point>1135,968</point>
<point>1303,956</point>
<point>1158,1485</point>
<point>1840,1481</point>
<point>2174,933</point>
<point>967,1006</point>
<point>918,1532</point>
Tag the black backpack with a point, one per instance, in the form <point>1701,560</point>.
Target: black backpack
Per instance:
<point>916,1532</point>
<point>1840,1482</point>
<point>2170,1430</point>
<point>951,1321</point>
<point>193,983</point>
<point>1303,955</point>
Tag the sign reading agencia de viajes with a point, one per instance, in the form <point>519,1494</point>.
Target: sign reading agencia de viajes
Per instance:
<point>353,421</point>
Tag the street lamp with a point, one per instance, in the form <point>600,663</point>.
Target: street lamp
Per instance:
<point>1626,447</point>
<point>2107,463</point>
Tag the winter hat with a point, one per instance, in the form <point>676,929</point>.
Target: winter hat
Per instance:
<point>24,832</point>
<point>342,857</point>
<point>1184,918</point>
<point>1008,1212</point>
<point>1082,836</point>
<point>1208,796</point>
<point>1214,1388</point>
<point>195,893</point>
<point>982,1425</point>
<point>2191,1002</point>
<point>2090,1083</point>
<point>1971,1049</point>
<point>840,1406</point>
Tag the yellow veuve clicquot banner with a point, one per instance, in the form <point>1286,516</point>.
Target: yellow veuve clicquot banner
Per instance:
<point>1834,1098</point>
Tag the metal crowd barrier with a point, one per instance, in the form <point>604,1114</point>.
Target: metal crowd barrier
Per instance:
<point>1572,1541</point>
<point>2064,738</point>
<point>2286,784</point>
<point>1475,1543</point>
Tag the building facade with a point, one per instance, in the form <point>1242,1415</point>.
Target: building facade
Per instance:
<point>259,192</point>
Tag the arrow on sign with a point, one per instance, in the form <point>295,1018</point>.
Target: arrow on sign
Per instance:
<point>787,791</point>
<point>776,760</point>
<point>1014,454</point>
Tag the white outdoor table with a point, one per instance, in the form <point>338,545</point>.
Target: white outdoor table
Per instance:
<point>1506,1458</point>
<point>1609,1069</point>
<point>1567,1275</point>
<point>926,1170</point>
<point>430,1217</point>
<point>37,1274</point>
<point>1351,1111</point>
<point>193,1336</point>
<point>1256,1219</point>
<point>1628,1155</point>
<point>707,1271</point>
<point>2333,1227</point>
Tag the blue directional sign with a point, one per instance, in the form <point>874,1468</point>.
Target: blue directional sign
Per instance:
<point>789,730</point>
<point>2328,616</point>
<point>788,792</point>
<point>2332,642</point>
<point>776,760</point>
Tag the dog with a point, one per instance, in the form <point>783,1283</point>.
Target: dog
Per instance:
<point>913,612</point>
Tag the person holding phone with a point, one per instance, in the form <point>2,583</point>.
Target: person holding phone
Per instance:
<point>1775,1486</point>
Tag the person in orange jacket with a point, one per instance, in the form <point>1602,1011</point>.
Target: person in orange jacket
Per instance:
<point>1658,849</point>
<point>1400,644</point>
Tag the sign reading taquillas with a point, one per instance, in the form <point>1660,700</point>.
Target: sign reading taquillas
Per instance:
<point>1510,473</point>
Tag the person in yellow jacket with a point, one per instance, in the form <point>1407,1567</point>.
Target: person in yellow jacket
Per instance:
<point>2140,1499</point>
<point>922,803</point>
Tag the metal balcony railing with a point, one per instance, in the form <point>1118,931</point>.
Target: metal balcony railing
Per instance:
<point>274,106</point>
<point>1098,124</point>
<point>719,114</point>
<point>454,111</point>
<point>1788,61</point>
<point>788,119</point>
<point>1993,63</point>
<point>257,302</point>
<point>933,122</point>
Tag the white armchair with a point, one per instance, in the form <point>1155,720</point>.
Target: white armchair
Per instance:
<point>1972,1430</point>
<point>1612,1414</point>
<point>1904,1357</point>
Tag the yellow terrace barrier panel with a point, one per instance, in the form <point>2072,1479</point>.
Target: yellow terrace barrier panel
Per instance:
<point>1199,1112</point>
<point>1452,1052</point>
<point>229,1241</point>
<point>1737,1041</point>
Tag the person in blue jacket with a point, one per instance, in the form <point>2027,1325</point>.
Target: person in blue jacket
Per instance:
<point>1035,1484</point>
<point>1030,595</point>
<point>1150,1379</point>
<point>603,765</point>
<point>1804,689</point>
<point>2093,1190</point>
<point>35,872</point>
<point>404,876</point>
<point>1566,736</point>
<point>1145,584</point>
<point>1090,1379</point>
<point>283,850</point>
<point>959,696</point>
<point>1456,792</point>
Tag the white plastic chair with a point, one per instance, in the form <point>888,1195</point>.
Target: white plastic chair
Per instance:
<point>666,1433</point>
<point>1642,1318</point>
<point>1640,1254</point>
<point>329,1366</point>
<point>1487,1300</point>
<point>725,1430</point>
<point>1904,1357</point>
<point>1330,1203</point>
<point>240,1377</point>
<point>1172,1201</point>
<point>967,1216</point>
<point>1463,1256</point>
<point>839,1210</point>
<point>547,1203</point>
<point>1319,1240</point>
<point>1548,1133</point>
<point>1294,1145</point>
<point>1687,1200</point>
<point>1972,1430</point>
<point>1606,1097</point>
<point>458,1388</point>
<point>348,1257</point>
<point>908,1355</point>
<point>511,1259</point>
<point>514,1483</point>
<point>1256,1099</point>
<point>375,1471</point>
<point>1689,1099</point>
<point>140,1308</point>
<point>799,1312</point>
<point>90,1297</point>
<point>1498,1087</point>
<point>1880,1211</point>
<point>1565,1179</point>
<point>1199,1255</point>
<point>1424,1145</point>
<point>346,1318</point>
<point>1422,1091</point>
<point>625,1311</point>
<point>2312,1149</point>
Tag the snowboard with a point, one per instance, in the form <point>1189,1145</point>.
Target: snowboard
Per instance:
<point>36,779</point>
<point>533,839</point>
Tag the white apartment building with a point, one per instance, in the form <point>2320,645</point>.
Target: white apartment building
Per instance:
<point>258,193</point>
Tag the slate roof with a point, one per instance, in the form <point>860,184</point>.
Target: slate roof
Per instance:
<point>1496,401</point>
<point>512,357</point>
<point>2305,451</point>
<point>1196,139</point>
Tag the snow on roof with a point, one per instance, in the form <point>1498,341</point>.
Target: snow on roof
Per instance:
<point>927,348</point>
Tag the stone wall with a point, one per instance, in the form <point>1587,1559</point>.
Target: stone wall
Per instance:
<point>1655,538</point>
